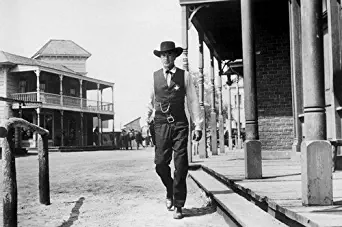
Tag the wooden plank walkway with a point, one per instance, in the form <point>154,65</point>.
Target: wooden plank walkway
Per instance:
<point>281,185</point>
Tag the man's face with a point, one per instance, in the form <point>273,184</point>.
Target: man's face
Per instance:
<point>168,59</point>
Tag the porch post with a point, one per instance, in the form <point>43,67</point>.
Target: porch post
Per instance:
<point>98,97</point>
<point>100,128</point>
<point>18,131</point>
<point>315,150</point>
<point>38,123</point>
<point>229,120</point>
<point>61,88</point>
<point>334,50</point>
<point>213,123</point>
<point>113,115</point>
<point>38,116</point>
<point>101,107</point>
<point>185,42</point>
<point>62,127</point>
<point>82,129</point>
<point>37,72</point>
<point>252,148</point>
<point>238,110</point>
<point>202,147</point>
<point>81,93</point>
<point>221,122</point>
<point>296,73</point>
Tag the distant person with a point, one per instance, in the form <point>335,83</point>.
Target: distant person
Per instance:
<point>96,135</point>
<point>166,110</point>
<point>194,144</point>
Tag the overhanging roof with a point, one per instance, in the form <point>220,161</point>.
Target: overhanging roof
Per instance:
<point>220,22</point>
<point>20,63</point>
<point>61,47</point>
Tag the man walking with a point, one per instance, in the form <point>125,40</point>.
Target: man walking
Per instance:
<point>166,108</point>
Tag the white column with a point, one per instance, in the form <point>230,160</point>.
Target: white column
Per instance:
<point>98,97</point>
<point>238,124</point>
<point>81,93</point>
<point>61,88</point>
<point>229,120</point>
<point>213,112</point>
<point>37,72</point>
<point>220,117</point>
<point>113,115</point>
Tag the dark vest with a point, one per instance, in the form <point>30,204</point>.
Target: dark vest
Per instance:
<point>169,100</point>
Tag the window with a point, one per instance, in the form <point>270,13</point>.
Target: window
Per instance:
<point>42,86</point>
<point>22,86</point>
<point>72,91</point>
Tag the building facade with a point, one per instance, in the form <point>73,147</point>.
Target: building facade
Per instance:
<point>56,79</point>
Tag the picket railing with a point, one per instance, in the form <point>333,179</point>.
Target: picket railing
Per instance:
<point>67,101</point>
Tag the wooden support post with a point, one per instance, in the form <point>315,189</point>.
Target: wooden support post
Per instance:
<point>252,148</point>
<point>221,122</point>
<point>61,88</point>
<point>213,123</point>
<point>296,73</point>
<point>202,146</point>
<point>37,72</point>
<point>82,129</point>
<point>62,127</point>
<point>101,106</point>
<point>43,159</point>
<point>185,40</point>
<point>238,121</point>
<point>100,128</point>
<point>229,120</point>
<point>335,77</point>
<point>114,138</point>
<point>9,186</point>
<point>315,150</point>
<point>81,93</point>
<point>98,97</point>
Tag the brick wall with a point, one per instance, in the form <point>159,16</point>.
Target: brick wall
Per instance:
<point>274,76</point>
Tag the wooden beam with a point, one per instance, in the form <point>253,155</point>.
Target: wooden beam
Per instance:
<point>190,2</point>
<point>206,36</point>
<point>25,68</point>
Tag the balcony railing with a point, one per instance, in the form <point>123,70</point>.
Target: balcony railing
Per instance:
<point>68,101</point>
<point>29,96</point>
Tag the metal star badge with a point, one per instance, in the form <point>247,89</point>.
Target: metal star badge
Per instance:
<point>176,87</point>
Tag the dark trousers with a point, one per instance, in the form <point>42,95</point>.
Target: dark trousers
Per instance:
<point>172,138</point>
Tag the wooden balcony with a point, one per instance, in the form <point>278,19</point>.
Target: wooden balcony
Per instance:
<point>56,101</point>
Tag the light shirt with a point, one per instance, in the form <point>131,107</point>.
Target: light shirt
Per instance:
<point>191,99</point>
<point>168,76</point>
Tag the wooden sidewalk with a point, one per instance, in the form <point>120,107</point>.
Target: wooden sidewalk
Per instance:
<point>280,187</point>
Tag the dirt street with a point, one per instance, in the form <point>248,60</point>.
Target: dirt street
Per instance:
<point>103,189</point>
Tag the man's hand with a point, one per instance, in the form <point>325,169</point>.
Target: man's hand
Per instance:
<point>197,135</point>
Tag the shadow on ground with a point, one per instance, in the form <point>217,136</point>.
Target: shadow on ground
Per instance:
<point>75,212</point>
<point>193,212</point>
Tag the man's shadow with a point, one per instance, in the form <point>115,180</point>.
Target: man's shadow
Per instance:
<point>193,212</point>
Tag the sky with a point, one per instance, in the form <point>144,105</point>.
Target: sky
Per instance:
<point>120,35</point>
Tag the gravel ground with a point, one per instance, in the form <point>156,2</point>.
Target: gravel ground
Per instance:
<point>103,189</point>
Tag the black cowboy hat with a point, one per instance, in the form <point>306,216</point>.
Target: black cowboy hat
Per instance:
<point>168,46</point>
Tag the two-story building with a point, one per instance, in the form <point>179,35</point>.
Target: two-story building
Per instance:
<point>56,78</point>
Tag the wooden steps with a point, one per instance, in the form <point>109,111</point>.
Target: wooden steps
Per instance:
<point>242,210</point>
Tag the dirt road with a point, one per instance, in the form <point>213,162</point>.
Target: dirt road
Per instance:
<point>103,189</point>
